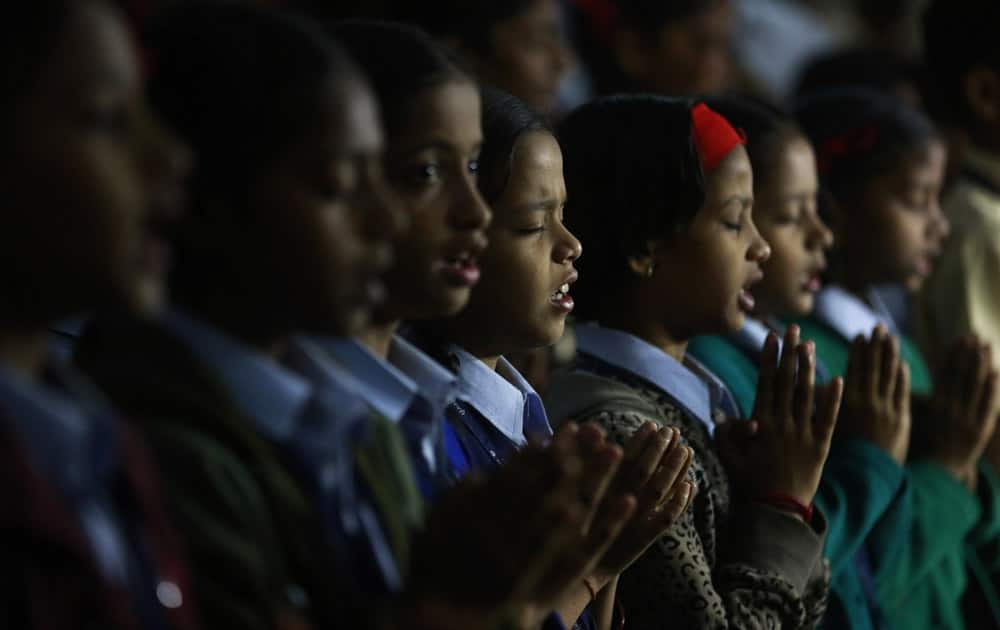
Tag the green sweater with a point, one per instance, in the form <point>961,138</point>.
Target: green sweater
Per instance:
<point>924,584</point>
<point>862,489</point>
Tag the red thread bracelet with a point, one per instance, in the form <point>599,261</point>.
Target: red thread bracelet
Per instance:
<point>784,501</point>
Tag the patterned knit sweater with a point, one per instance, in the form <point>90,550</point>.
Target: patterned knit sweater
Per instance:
<point>722,565</point>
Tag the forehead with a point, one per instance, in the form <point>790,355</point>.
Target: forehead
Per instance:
<point>536,168</point>
<point>733,175</point>
<point>923,165</point>
<point>448,113</point>
<point>794,169</point>
<point>350,116</point>
<point>92,49</point>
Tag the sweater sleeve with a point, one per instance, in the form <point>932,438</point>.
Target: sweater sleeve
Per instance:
<point>944,513</point>
<point>239,576</point>
<point>684,581</point>
<point>860,482</point>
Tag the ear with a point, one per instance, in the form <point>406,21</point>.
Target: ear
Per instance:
<point>645,264</point>
<point>982,94</point>
<point>630,52</point>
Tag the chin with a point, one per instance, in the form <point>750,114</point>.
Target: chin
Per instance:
<point>352,322</point>
<point>444,302</point>
<point>801,307</point>
<point>734,322</point>
<point>146,297</point>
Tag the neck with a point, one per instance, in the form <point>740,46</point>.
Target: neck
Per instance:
<point>225,315</point>
<point>377,337</point>
<point>631,321</point>
<point>24,348</point>
<point>491,362</point>
<point>854,277</point>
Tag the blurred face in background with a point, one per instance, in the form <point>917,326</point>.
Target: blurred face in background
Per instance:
<point>691,56</point>
<point>528,55</point>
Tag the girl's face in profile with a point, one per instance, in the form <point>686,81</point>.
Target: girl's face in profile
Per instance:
<point>524,297</point>
<point>705,274</point>
<point>89,178</point>
<point>786,215</point>
<point>897,228</point>
<point>432,167</point>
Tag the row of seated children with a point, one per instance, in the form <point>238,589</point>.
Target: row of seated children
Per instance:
<point>315,426</point>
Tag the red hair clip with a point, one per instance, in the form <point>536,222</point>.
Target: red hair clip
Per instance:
<point>714,137</point>
<point>860,140</point>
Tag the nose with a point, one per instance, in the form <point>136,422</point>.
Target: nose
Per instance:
<point>165,162</point>
<point>469,210</point>
<point>821,236</point>
<point>568,248</point>
<point>759,250</point>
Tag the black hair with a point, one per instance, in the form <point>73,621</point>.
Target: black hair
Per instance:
<point>767,130</point>
<point>400,61</point>
<point>948,61</point>
<point>239,84</point>
<point>593,34</point>
<point>859,135</point>
<point>648,17</point>
<point>858,67</point>
<point>469,22</point>
<point>28,34</point>
<point>632,175</point>
<point>505,119</point>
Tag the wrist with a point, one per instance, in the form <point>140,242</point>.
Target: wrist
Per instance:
<point>789,503</point>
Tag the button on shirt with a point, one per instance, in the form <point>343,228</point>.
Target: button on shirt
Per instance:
<point>690,384</point>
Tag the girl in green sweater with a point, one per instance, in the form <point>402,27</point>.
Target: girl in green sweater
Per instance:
<point>863,491</point>
<point>881,166</point>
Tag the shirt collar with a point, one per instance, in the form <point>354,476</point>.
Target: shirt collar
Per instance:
<point>384,387</point>
<point>688,383</point>
<point>68,431</point>
<point>435,382</point>
<point>500,401</point>
<point>273,396</point>
<point>847,314</point>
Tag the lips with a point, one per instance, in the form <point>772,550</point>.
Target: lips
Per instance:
<point>560,298</point>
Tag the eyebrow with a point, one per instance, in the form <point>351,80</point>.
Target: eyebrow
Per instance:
<point>741,199</point>
<point>541,206</point>
<point>439,145</point>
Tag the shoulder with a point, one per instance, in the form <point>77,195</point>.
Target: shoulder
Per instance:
<point>731,365</point>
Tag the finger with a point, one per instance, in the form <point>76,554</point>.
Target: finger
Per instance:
<point>637,443</point>
<point>988,402</point>
<point>599,470</point>
<point>826,418</point>
<point>855,367</point>
<point>901,393</point>
<point>805,386</point>
<point>602,535</point>
<point>890,368</point>
<point>764,403</point>
<point>672,470</point>
<point>674,507</point>
<point>785,390</point>
<point>974,382</point>
<point>873,363</point>
<point>649,461</point>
